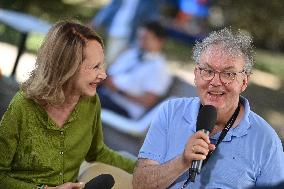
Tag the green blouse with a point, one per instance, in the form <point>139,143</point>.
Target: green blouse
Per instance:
<point>33,150</point>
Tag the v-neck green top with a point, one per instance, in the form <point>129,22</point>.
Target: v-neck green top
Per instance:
<point>33,150</point>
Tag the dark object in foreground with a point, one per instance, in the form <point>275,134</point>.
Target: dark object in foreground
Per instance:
<point>103,181</point>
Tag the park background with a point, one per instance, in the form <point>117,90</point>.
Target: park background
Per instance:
<point>264,20</point>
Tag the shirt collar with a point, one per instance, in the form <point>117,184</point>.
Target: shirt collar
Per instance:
<point>243,126</point>
<point>72,117</point>
<point>148,56</point>
<point>191,111</point>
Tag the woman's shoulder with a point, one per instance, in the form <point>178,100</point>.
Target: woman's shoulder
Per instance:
<point>20,99</point>
<point>92,101</point>
<point>18,106</point>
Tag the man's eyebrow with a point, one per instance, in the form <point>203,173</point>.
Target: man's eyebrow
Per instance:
<point>229,67</point>
<point>204,64</point>
<point>207,65</point>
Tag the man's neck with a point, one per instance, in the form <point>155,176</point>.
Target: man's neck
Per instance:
<point>223,118</point>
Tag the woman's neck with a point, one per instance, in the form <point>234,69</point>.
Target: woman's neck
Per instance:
<point>71,100</point>
<point>59,114</point>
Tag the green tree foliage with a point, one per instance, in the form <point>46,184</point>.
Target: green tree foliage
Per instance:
<point>263,19</point>
<point>51,10</point>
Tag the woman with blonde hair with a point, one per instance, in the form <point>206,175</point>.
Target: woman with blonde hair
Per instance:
<point>53,123</point>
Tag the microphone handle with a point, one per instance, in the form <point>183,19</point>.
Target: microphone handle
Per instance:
<point>196,164</point>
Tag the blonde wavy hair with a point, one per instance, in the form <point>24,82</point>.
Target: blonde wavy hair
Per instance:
<point>58,61</point>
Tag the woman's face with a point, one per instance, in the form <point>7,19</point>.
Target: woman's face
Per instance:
<point>91,71</point>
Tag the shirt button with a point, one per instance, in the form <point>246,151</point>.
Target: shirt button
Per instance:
<point>61,153</point>
<point>61,132</point>
<point>60,173</point>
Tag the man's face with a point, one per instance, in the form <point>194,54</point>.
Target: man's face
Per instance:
<point>224,96</point>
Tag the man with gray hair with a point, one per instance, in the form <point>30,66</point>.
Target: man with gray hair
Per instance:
<point>241,151</point>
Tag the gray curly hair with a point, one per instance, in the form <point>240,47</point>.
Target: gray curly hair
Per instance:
<point>235,43</point>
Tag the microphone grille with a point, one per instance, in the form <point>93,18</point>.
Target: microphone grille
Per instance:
<point>103,181</point>
<point>206,118</point>
<point>110,180</point>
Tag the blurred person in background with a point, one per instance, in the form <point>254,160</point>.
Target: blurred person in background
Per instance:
<point>186,16</point>
<point>53,123</point>
<point>120,19</point>
<point>192,16</point>
<point>139,77</point>
<point>248,154</point>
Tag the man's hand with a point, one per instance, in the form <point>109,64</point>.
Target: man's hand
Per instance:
<point>197,147</point>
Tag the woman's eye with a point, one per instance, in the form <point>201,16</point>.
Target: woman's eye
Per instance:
<point>96,67</point>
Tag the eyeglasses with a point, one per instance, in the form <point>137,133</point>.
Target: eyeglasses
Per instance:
<point>226,77</point>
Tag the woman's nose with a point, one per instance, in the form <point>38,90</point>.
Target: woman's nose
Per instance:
<point>102,75</point>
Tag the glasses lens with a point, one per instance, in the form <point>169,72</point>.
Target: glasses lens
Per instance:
<point>227,77</point>
<point>206,74</point>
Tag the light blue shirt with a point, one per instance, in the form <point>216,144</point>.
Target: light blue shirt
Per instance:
<point>251,154</point>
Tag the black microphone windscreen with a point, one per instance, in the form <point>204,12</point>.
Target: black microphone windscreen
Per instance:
<point>206,118</point>
<point>103,181</point>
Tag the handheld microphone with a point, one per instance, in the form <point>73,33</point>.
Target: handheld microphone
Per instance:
<point>205,121</point>
<point>103,181</point>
